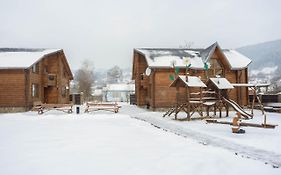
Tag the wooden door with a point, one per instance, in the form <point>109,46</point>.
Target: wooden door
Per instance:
<point>50,95</point>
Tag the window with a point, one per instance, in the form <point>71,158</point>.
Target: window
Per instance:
<point>51,77</point>
<point>215,68</point>
<point>34,90</point>
<point>35,68</point>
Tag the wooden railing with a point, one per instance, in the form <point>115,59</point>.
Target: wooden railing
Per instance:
<point>50,80</point>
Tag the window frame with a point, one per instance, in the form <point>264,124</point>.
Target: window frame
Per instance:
<point>34,90</point>
<point>213,70</point>
<point>35,68</point>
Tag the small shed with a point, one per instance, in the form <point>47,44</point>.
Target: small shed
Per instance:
<point>118,92</point>
<point>75,98</point>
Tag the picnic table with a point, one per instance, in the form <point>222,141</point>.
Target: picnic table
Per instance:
<point>93,106</point>
<point>43,107</point>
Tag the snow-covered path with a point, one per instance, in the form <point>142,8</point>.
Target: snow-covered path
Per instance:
<point>260,148</point>
<point>106,143</point>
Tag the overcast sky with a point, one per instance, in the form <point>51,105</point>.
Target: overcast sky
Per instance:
<point>106,31</point>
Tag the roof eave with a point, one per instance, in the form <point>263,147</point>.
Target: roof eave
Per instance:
<point>4,68</point>
<point>40,58</point>
<point>240,68</point>
<point>169,67</point>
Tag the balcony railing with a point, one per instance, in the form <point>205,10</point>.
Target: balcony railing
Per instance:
<point>50,80</point>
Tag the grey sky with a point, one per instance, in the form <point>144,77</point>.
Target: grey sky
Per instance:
<point>106,31</point>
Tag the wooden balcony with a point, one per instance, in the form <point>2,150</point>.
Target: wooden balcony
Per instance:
<point>50,80</point>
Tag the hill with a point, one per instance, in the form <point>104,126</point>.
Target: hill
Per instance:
<point>266,54</point>
<point>266,62</point>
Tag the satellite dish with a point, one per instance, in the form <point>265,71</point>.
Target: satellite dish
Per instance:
<point>147,71</point>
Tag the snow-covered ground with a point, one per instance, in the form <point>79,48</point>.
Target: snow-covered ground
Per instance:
<point>108,143</point>
<point>257,143</point>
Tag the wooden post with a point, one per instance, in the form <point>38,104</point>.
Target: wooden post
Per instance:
<point>188,104</point>
<point>253,101</point>
<point>226,104</point>
<point>264,120</point>
<point>177,104</point>
<point>201,94</point>
<point>227,109</point>
<point>200,108</point>
<point>261,105</point>
<point>153,88</point>
<point>220,101</point>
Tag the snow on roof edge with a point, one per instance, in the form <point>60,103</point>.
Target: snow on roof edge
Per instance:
<point>55,51</point>
<point>232,66</point>
<point>32,61</point>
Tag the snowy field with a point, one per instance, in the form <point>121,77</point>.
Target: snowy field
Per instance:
<point>107,143</point>
<point>258,143</point>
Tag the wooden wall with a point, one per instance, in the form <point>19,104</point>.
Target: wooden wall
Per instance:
<point>141,82</point>
<point>12,88</point>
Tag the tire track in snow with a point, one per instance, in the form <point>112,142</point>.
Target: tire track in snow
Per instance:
<point>244,151</point>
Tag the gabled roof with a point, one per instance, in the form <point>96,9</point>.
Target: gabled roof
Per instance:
<point>193,81</point>
<point>19,58</point>
<point>23,58</point>
<point>162,57</point>
<point>236,59</point>
<point>207,53</point>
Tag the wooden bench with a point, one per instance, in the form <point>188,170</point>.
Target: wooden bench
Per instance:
<point>43,107</point>
<point>92,106</point>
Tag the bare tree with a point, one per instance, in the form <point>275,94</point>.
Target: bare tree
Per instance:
<point>275,81</point>
<point>187,45</point>
<point>84,78</point>
<point>114,75</point>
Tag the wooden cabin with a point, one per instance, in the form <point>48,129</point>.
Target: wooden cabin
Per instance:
<point>32,75</point>
<point>152,68</point>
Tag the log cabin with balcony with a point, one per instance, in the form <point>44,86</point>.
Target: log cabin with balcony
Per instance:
<point>33,75</point>
<point>152,68</point>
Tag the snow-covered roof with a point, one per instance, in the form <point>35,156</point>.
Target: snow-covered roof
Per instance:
<point>221,83</point>
<point>193,81</point>
<point>236,59</point>
<point>22,58</point>
<point>120,87</point>
<point>250,85</point>
<point>162,58</point>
